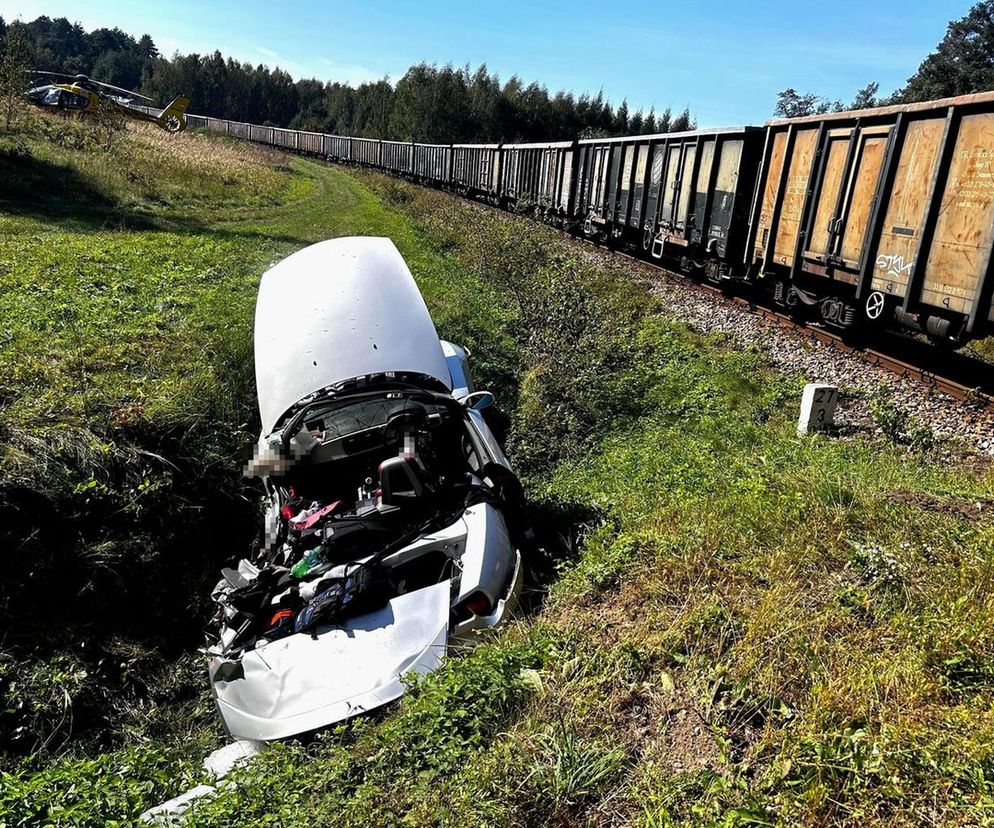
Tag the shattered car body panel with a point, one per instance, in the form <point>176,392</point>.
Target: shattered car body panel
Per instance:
<point>393,520</point>
<point>303,682</point>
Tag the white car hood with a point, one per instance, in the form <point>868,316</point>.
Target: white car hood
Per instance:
<point>334,311</point>
<point>304,682</point>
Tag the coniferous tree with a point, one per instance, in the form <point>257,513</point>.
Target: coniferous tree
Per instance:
<point>664,122</point>
<point>962,63</point>
<point>683,122</point>
<point>620,126</point>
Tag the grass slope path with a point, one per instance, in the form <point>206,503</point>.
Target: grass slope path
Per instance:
<point>757,629</point>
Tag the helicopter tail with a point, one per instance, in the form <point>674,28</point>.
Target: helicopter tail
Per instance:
<point>173,117</point>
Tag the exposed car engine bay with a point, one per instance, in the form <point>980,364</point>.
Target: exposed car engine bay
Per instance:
<point>355,482</point>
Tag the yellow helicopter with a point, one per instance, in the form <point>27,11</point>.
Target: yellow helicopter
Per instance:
<point>80,94</point>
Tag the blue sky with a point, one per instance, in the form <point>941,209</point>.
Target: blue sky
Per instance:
<point>726,60</point>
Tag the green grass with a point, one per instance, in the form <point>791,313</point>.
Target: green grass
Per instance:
<point>127,405</point>
<point>758,630</point>
<point>985,348</point>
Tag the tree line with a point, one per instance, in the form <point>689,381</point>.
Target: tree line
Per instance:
<point>429,103</point>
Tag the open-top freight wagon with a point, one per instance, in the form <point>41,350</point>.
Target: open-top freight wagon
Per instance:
<point>538,177</point>
<point>884,215</point>
<point>476,170</point>
<point>684,196</point>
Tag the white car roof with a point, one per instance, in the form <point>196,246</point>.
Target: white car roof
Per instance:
<point>334,311</point>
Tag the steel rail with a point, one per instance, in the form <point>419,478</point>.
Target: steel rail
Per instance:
<point>979,394</point>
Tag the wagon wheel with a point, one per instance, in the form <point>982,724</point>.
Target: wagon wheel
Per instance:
<point>875,304</point>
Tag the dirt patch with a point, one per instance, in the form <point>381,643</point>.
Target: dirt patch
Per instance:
<point>959,507</point>
<point>687,743</point>
<point>662,723</point>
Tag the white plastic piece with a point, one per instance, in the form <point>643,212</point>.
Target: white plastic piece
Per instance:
<point>477,623</point>
<point>485,561</point>
<point>224,759</point>
<point>334,311</point>
<point>817,408</point>
<point>171,812</point>
<point>218,764</point>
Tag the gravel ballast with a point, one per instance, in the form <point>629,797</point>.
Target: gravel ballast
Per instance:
<point>957,425</point>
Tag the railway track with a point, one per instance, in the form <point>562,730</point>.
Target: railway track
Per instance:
<point>963,378</point>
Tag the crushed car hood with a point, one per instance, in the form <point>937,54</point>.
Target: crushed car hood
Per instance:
<point>334,311</point>
<point>304,682</point>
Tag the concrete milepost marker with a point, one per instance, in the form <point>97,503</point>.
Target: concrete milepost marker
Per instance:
<point>817,408</point>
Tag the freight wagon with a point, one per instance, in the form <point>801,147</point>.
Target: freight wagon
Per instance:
<point>310,142</point>
<point>476,170</point>
<point>285,138</point>
<point>882,215</point>
<point>261,134</point>
<point>684,196</point>
<point>365,151</point>
<point>432,163</point>
<point>396,156</point>
<point>337,148</point>
<point>537,176</point>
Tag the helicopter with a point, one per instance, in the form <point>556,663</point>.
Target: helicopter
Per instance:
<point>79,93</point>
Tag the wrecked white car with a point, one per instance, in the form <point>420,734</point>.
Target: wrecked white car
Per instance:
<point>393,517</point>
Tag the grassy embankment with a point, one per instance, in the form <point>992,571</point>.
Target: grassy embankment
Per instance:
<point>759,629</point>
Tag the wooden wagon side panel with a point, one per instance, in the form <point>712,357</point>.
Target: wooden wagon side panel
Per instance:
<point>860,206</point>
<point>726,187</point>
<point>700,197</point>
<point>902,226</point>
<point>770,186</point>
<point>638,190</point>
<point>961,246</point>
<point>825,210</point>
<point>670,183</point>
<point>798,179</point>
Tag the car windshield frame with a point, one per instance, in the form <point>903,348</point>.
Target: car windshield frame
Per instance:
<point>381,398</point>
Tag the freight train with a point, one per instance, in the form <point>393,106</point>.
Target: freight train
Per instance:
<point>873,218</point>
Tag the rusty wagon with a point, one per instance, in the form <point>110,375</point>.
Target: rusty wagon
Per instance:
<point>882,214</point>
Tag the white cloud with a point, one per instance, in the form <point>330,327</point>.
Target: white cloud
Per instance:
<point>269,53</point>
<point>274,59</point>
<point>350,73</point>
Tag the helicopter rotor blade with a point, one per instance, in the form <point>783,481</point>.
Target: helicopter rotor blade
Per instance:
<point>127,92</point>
<point>51,74</point>
<point>85,81</point>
